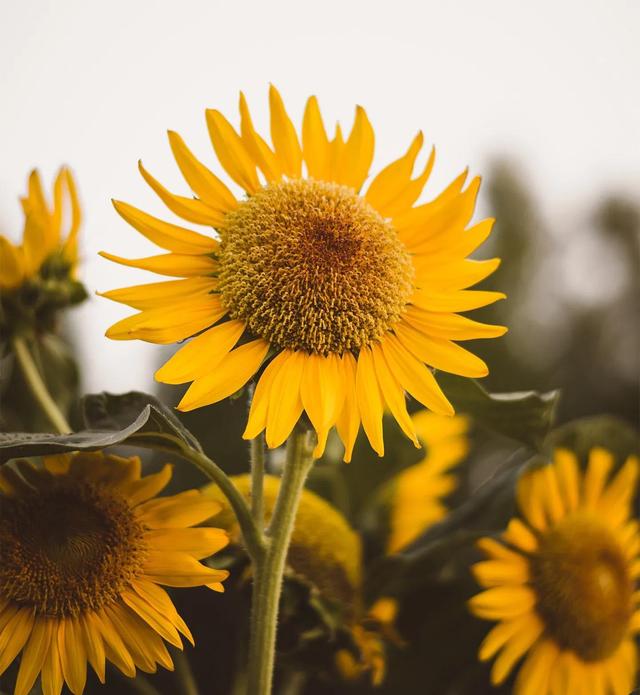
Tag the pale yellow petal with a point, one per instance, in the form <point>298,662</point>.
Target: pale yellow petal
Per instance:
<point>261,153</point>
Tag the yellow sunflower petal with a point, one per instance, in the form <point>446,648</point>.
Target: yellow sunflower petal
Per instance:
<point>414,377</point>
<point>348,422</point>
<point>440,353</point>
<point>201,354</point>
<point>454,301</point>
<point>393,191</point>
<point>257,420</point>
<point>115,649</point>
<point>132,636</point>
<point>172,264</point>
<point>567,471</point>
<point>595,478</point>
<point>285,404</point>
<point>621,489</point>
<point>158,597</point>
<point>12,264</point>
<point>370,400</point>
<point>500,635</point>
<point>322,393</point>
<point>499,572</point>
<point>70,246</point>
<point>168,236</point>
<point>518,535</point>
<point>457,275</point>
<point>393,394</point>
<point>199,542</point>
<point>94,645</point>
<point>73,657</point>
<point>515,648</point>
<point>189,209</point>
<point>530,496</point>
<point>158,294</point>
<point>497,550</point>
<point>231,151</point>
<point>14,636</point>
<point>179,569</point>
<point>204,183</point>
<point>33,656</point>
<point>284,137</point>
<point>52,678</point>
<point>231,374</point>
<point>315,142</point>
<point>503,602</point>
<point>261,153</point>
<point>177,511</point>
<point>154,618</point>
<point>170,324</point>
<point>535,673</point>
<point>358,152</point>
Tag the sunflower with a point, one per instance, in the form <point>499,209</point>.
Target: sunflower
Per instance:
<point>37,275</point>
<point>340,299</point>
<point>325,553</point>
<point>83,550</point>
<point>418,491</point>
<point>563,581</point>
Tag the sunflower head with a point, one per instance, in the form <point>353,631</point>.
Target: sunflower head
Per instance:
<point>38,275</point>
<point>84,546</point>
<point>337,301</point>
<point>563,581</point>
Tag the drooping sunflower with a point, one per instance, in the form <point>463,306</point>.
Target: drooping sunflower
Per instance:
<point>343,300</point>
<point>418,491</point>
<point>37,277</point>
<point>84,547</point>
<point>563,581</point>
<point>325,553</point>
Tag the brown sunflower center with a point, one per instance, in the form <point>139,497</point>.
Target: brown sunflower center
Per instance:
<point>584,590</point>
<point>68,549</point>
<point>310,265</point>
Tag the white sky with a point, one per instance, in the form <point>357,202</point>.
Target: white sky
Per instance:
<point>96,85</point>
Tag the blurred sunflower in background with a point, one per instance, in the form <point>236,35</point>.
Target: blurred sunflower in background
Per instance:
<point>38,275</point>
<point>345,300</point>
<point>563,581</point>
<point>84,545</point>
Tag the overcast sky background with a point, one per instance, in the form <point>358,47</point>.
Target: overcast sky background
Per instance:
<point>96,85</point>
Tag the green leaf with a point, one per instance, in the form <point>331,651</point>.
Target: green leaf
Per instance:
<point>133,419</point>
<point>602,430</point>
<point>525,416</point>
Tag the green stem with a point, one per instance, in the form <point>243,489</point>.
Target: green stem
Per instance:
<point>184,674</point>
<point>257,481</point>
<point>38,387</point>
<point>269,570</point>
<point>252,537</point>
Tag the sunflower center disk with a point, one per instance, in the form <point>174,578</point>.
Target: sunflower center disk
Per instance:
<point>583,586</point>
<point>70,549</point>
<point>310,265</point>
